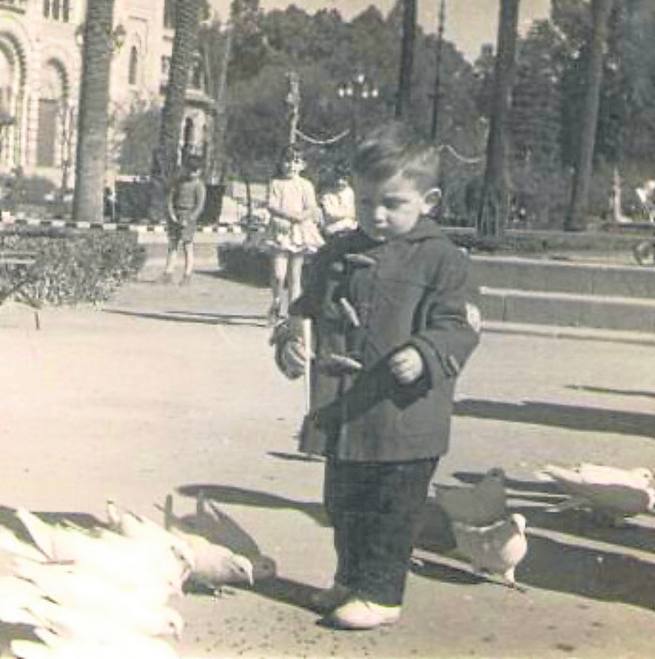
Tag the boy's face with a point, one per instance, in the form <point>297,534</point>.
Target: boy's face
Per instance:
<point>386,209</point>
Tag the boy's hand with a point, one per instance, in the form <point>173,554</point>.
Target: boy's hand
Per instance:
<point>406,365</point>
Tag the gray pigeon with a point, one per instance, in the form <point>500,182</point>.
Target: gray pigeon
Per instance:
<point>482,504</point>
<point>497,548</point>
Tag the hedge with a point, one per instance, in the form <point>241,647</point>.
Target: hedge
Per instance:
<point>70,267</point>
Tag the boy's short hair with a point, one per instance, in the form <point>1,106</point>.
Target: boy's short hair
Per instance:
<point>395,148</point>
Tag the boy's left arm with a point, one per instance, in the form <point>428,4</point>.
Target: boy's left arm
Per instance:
<point>448,327</point>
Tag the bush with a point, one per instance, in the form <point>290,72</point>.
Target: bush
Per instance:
<point>72,268</point>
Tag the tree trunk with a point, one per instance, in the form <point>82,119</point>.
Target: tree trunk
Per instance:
<point>406,58</point>
<point>93,114</point>
<point>187,18</point>
<point>217,168</point>
<point>493,209</point>
<point>575,219</point>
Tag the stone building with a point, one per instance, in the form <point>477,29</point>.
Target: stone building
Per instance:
<point>40,67</point>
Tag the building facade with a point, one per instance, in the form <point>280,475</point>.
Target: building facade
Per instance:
<point>40,67</point>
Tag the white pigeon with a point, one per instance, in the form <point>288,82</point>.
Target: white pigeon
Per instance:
<point>613,493</point>
<point>107,622</point>
<point>215,564</point>
<point>125,560</point>
<point>497,548</point>
<point>77,585</point>
<point>480,505</point>
<point>15,596</point>
<point>139,527</point>
<point>54,646</point>
<point>11,544</point>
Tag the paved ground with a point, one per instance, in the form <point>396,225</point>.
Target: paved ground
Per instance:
<point>168,388</point>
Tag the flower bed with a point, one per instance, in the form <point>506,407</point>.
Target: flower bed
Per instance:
<point>72,268</point>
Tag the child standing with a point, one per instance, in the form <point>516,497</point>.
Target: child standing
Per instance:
<point>394,327</point>
<point>185,203</point>
<point>338,204</point>
<point>293,228</point>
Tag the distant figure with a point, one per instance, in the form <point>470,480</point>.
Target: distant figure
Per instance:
<point>338,204</point>
<point>646,194</point>
<point>185,203</point>
<point>110,207</point>
<point>292,231</point>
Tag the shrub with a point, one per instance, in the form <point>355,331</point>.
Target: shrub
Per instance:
<point>70,267</point>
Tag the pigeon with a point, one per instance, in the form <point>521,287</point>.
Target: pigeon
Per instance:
<point>219,528</point>
<point>497,548</point>
<point>78,586</point>
<point>138,527</point>
<point>215,564</point>
<point>125,560</point>
<point>11,544</point>
<point>54,646</point>
<point>480,505</point>
<point>611,493</point>
<point>106,622</point>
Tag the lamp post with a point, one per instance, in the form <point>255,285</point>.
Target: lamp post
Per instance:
<point>356,92</point>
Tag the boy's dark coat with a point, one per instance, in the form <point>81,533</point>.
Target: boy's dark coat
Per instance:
<point>412,290</point>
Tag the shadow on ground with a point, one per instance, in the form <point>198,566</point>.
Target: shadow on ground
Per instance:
<point>551,564</point>
<point>202,318</point>
<point>572,417</point>
<point>614,392</point>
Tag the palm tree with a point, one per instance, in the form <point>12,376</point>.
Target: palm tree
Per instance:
<point>600,11</point>
<point>494,200</point>
<point>93,116</point>
<point>185,44</point>
<point>406,58</point>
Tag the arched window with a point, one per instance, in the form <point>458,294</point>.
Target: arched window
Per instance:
<point>46,8</point>
<point>196,74</point>
<point>133,71</point>
<point>188,133</point>
<point>55,9</point>
<point>65,11</point>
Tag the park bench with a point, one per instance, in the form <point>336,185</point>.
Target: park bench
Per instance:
<point>17,270</point>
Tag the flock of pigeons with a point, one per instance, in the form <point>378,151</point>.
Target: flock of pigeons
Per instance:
<point>494,541</point>
<point>105,593</point>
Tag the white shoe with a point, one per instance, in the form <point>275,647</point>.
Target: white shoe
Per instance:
<point>362,614</point>
<point>329,598</point>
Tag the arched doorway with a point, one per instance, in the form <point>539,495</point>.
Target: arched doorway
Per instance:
<point>52,103</point>
<point>12,96</point>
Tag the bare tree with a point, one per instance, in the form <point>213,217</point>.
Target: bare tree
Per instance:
<point>494,199</point>
<point>575,219</point>
<point>93,114</point>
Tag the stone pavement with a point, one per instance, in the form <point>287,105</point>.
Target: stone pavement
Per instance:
<point>168,388</point>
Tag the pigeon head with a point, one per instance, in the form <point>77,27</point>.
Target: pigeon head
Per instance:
<point>243,568</point>
<point>519,522</point>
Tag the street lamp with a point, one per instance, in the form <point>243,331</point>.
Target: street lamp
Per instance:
<point>359,89</point>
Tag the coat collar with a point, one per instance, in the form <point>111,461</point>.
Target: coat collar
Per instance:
<point>423,229</point>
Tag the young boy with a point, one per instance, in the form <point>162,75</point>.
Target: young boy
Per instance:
<point>394,326</point>
<point>185,203</point>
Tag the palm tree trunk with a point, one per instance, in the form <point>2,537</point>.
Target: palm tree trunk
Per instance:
<point>93,115</point>
<point>575,219</point>
<point>406,58</point>
<point>494,200</point>
<point>187,18</point>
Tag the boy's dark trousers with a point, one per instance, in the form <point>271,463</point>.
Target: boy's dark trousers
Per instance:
<point>375,509</point>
